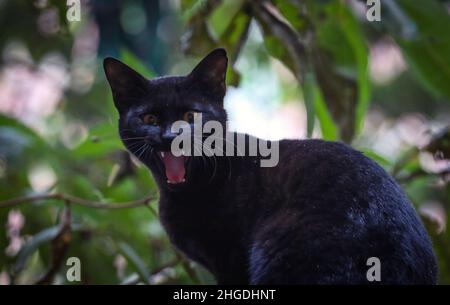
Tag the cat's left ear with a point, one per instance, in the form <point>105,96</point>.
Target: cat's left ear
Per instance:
<point>211,71</point>
<point>124,81</point>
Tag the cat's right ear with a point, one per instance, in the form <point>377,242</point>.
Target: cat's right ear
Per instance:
<point>211,72</point>
<point>124,81</point>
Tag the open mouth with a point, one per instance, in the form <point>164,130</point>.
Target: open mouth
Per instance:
<point>175,167</point>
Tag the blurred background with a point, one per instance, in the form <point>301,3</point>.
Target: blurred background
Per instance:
<point>298,69</point>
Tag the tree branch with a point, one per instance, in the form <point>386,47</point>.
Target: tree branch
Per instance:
<point>271,19</point>
<point>60,245</point>
<point>75,200</point>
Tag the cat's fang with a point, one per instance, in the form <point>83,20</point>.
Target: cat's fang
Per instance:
<point>171,182</point>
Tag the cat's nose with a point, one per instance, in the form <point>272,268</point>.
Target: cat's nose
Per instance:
<point>168,135</point>
<point>167,139</point>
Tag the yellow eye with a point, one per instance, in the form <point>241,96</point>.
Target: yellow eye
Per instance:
<point>150,119</point>
<point>190,116</point>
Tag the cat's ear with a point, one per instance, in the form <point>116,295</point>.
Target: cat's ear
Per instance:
<point>125,82</point>
<point>211,71</point>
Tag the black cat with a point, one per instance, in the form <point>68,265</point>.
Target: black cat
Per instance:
<point>315,218</point>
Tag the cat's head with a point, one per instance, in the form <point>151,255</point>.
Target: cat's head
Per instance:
<point>148,108</point>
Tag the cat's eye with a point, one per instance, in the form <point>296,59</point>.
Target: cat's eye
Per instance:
<point>190,116</point>
<point>149,119</point>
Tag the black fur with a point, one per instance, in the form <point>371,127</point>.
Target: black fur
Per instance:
<point>315,218</point>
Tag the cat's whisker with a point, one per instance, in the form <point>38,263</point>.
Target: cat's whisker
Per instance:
<point>145,156</point>
<point>215,164</point>
<point>127,129</point>
<point>229,162</point>
<point>201,155</point>
<point>134,138</point>
<point>139,150</point>
<point>224,139</point>
<point>145,148</point>
<point>222,151</point>
<point>142,154</point>
<point>132,146</point>
<point>203,158</point>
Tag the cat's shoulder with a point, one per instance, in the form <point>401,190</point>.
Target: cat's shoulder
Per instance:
<point>318,147</point>
<point>312,154</point>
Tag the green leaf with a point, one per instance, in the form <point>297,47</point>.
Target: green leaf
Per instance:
<point>236,29</point>
<point>12,123</point>
<point>315,106</point>
<point>309,97</point>
<point>190,8</point>
<point>220,19</point>
<point>384,162</point>
<point>356,40</point>
<point>340,34</point>
<point>291,10</point>
<point>31,246</point>
<point>275,48</point>
<point>135,260</point>
<point>232,39</point>
<point>327,125</point>
<point>21,147</point>
<point>102,140</point>
<point>131,60</point>
<point>428,52</point>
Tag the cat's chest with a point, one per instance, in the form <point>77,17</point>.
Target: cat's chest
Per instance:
<point>192,214</point>
<point>201,227</point>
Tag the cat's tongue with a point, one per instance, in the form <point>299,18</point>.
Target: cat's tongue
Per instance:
<point>175,170</point>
